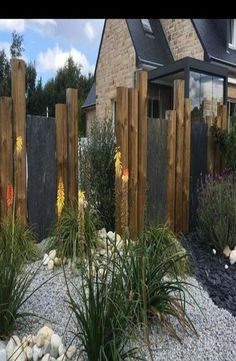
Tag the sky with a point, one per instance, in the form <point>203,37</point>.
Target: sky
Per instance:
<point>49,42</point>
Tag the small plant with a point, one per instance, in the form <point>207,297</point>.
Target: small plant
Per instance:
<point>216,212</point>
<point>97,171</point>
<point>102,314</point>
<point>14,286</point>
<point>67,232</point>
<point>22,240</point>
<point>226,141</point>
<point>152,283</point>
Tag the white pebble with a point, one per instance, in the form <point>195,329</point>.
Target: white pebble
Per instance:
<point>50,265</point>
<point>226,266</point>
<point>52,254</point>
<point>214,251</point>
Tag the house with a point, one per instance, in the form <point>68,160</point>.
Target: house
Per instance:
<point>200,51</point>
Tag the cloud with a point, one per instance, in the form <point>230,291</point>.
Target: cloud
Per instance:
<point>12,24</point>
<point>54,58</point>
<point>4,45</point>
<point>89,31</point>
<point>43,26</point>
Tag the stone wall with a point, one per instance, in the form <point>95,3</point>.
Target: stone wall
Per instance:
<point>182,38</point>
<point>116,65</point>
<point>90,114</point>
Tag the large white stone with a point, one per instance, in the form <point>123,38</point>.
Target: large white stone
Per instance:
<point>111,236</point>
<point>227,251</point>
<point>46,332</point>
<point>56,340</point>
<point>46,259</point>
<point>52,254</point>
<point>28,353</point>
<point>46,347</point>
<point>18,354</point>
<point>61,349</point>
<point>232,257</point>
<point>40,339</point>
<point>3,354</point>
<point>50,265</point>
<point>57,261</point>
<point>61,358</point>
<point>11,345</point>
<point>37,353</point>
<point>70,352</point>
<point>46,357</point>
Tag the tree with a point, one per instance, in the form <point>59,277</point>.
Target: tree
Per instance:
<point>16,48</point>
<point>5,75</point>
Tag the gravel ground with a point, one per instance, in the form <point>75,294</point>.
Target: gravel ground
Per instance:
<point>216,327</point>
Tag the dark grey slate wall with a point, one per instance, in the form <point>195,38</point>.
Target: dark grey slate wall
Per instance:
<point>41,148</point>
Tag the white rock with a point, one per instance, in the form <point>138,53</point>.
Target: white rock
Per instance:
<point>226,251</point>
<point>214,251</point>
<point>102,234</point>
<point>52,254</point>
<point>11,345</point>
<point>3,354</point>
<point>46,357</point>
<point>18,354</point>
<point>52,358</point>
<point>56,340</point>
<point>61,349</point>
<point>61,358</point>
<point>46,332</point>
<point>24,342</point>
<point>46,347</point>
<point>102,252</point>
<point>226,266</point>
<point>45,259</point>
<point>118,238</point>
<point>111,236</point>
<point>57,261</point>
<point>232,257</point>
<point>50,265</point>
<point>40,339</point>
<point>70,352</point>
<point>28,353</point>
<point>37,353</point>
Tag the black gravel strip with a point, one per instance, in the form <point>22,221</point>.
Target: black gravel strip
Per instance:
<point>209,270</point>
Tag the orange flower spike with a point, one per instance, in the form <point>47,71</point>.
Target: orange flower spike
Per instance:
<point>118,165</point>
<point>125,175</point>
<point>60,197</point>
<point>10,195</point>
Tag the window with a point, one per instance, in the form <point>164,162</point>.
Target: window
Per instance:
<point>147,26</point>
<point>206,92</point>
<point>231,113</point>
<point>232,33</point>
<point>153,108</point>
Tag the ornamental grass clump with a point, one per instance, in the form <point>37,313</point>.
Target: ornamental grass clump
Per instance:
<point>152,284</point>
<point>216,212</point>
<point>102,313</point>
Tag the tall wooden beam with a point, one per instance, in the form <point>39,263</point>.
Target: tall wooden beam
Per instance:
<point>171,150</point>
<point>72,118</point>
<point>19,136</point>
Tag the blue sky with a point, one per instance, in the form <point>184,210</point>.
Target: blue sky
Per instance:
<point>49,42</point>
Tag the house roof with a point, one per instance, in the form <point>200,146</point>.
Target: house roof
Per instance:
<point>213,36</point>
<point>150,49</point>
<point>91,97</point>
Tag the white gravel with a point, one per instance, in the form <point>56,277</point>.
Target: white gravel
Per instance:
<point>216,340</point>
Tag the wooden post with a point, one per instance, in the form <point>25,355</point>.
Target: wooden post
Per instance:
<point>186,165</point>
<point>62,147</point>
<point>171,150</point>
<point>19,136</point>
<point>72,119</point>
<point>179,107</point>
<point>142,82</point>
<point>122,144</point>
<point>6,154</point>
<point>133,162</point>
<point>210,146</point>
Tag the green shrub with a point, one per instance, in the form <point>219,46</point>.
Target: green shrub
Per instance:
<point>22,240</point>
<point>216,212</point>
<point>97,171</point>
<point>66,236</point>
<point>102,313</point>
<point>226,142</point>
<point>152,284</point>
